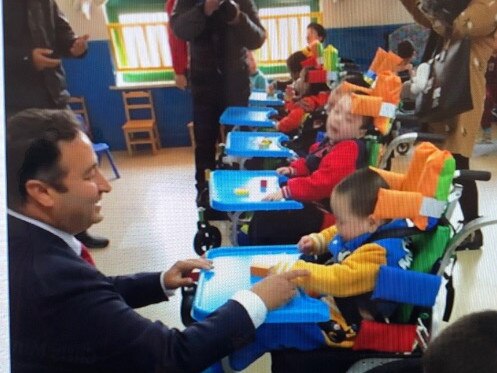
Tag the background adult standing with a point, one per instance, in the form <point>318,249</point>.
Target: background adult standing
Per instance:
<point>36,36</point>
<point>179,51</point>
<point>478,22</point>
<point>219,34</point>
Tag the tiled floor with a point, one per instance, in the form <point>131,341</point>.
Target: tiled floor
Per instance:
<point>150,218</point>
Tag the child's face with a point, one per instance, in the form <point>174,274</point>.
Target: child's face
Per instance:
<point>341,123</point>
<point>300,85</point>
<point>348,224</point>
<point>311,35</point>
<point>295,75</point>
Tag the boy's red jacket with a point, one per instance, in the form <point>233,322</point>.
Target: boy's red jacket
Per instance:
<point>341,160</point>
<point>296,113</point>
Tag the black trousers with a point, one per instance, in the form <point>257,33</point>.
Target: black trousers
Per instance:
<point>206,131</point>
<point>284,226</point>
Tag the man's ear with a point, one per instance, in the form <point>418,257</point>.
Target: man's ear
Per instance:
<point>39,192</point>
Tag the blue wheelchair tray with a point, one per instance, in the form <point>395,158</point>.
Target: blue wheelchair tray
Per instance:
<point>248,116</point>
<point>261,98</point>
<point>244,190</point>
<point>257,144</point>
<point>231,273</point>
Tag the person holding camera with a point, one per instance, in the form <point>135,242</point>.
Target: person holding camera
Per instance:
<point>219,32</point>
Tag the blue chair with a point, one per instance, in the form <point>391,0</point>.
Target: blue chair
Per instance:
<point>78,106</point>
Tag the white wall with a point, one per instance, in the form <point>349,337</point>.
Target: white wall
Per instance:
<point>95,27</point>
<point>350,13</point>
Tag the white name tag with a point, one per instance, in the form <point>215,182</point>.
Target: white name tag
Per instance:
<point>387,110</point>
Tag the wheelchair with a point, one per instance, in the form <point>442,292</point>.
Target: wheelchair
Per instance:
<point>434,253</point>
<point>418,316</point>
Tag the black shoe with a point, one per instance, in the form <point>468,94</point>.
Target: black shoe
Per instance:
<point>92,242</point>
<point>473,242</point>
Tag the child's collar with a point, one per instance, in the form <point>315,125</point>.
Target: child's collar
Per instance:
<point>358,241</point>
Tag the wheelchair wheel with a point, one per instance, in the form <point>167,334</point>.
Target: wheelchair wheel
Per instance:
<point>402,149</point>
<point>187,295</point>
<point>206,238</point>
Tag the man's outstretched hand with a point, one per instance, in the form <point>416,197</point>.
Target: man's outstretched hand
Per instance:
<point>277,290</point>
<point>177,275</point>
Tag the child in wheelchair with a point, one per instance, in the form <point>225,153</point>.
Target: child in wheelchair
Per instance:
<point>311,179</point>
<point>370,240</point>
<point>301,100</point>
<point>347,281</point>
<point>315,121</point>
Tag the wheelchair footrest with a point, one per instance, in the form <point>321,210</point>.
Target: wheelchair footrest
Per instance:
<point>382,337</point>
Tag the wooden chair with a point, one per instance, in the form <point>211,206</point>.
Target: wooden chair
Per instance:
<point>221,139</point>
<point>140,131</point>
<point>78,106</point>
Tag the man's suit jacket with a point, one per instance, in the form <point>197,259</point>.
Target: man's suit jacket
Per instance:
<point>66,316</point>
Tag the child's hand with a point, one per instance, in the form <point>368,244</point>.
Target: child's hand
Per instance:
<point>305,244</point>
<point>275,196</point>
<point>287,171</point>
<point>289,92</point>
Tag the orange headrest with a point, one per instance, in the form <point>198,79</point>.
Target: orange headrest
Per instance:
<point>382,102</point>
<point>422,191</point>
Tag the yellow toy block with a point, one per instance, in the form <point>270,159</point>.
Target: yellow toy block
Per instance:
<point>241,192</point>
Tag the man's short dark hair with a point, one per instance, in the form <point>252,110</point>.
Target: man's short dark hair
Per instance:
<point>33,151</point>
<point>361,188</point>
<point>320,30</point>
<point>469,345</point>
<point>405,49</point>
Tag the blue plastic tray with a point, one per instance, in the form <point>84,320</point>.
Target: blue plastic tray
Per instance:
<point>224,183</point>
<point>261,98</point>
<point>251,144</point>
<point>248,116</point>
<point>232,273</point>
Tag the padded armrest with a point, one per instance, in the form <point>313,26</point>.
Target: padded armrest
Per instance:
<point>404,286</point>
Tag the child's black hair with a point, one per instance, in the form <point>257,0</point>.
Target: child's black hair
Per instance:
<point>405,49</point>
<point>320,30</point>
<point>294,61</point>
<point>361,188</point>
<point>466,346</point>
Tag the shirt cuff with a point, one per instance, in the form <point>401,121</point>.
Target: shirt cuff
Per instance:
<point>253,304</point>
<point>167,292</point>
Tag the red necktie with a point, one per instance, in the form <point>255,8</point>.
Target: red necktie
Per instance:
<point>85,255</point>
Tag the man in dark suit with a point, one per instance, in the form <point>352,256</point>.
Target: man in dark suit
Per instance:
<point>66,316</point>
